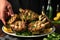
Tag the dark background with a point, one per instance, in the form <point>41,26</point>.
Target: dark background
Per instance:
<point>34,5</point>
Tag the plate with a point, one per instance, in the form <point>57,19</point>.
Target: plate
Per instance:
<point>14,34</point>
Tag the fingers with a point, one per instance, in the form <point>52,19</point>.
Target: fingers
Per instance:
<point>10,11</point>
<point>3,21</point>
<point>2,16</point>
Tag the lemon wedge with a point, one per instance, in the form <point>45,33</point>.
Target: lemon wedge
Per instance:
<point>56,18</point>
<point>8,29</point>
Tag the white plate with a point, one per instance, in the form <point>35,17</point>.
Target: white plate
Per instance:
<point>14,34</point>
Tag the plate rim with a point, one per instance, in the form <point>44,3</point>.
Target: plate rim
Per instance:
<point>14,34</point>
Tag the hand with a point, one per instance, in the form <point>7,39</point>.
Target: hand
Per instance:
<point>5,10</point>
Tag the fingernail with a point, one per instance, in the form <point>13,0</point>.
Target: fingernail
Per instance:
<point>12,15</point>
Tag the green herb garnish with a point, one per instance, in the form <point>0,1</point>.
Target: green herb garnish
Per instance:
<point>24,33</point>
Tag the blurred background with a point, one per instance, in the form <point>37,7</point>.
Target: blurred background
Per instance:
<point>34,5</point>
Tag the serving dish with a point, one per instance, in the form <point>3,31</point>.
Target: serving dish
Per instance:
<point>28,24</point>
<point>14,34</point>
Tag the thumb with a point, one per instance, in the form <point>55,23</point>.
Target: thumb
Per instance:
<point>3,21</point>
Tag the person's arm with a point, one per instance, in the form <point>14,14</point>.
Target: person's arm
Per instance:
<point>5,10</point>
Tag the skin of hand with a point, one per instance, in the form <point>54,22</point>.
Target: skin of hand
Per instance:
<point>5,10</point>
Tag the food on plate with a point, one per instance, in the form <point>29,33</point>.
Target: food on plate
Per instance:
<point>8,30</point>
<point>12,19</point>
<point>22,10</point>
<point>29,23</point>
<point>28,15</point>
<point>48,30</point>
<point>38,25</point>
<point>18,26</point>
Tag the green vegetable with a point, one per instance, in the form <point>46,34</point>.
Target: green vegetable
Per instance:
<point>55,39</point>
<point>18,33</point>
<point>56,22</point>
<point>24,33</point>
<point>33,21</point>
<point>45,39</point>
<point>29,17</point>
<point>53,36</point>
<point>33,26</point>
<point>25,16</point>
